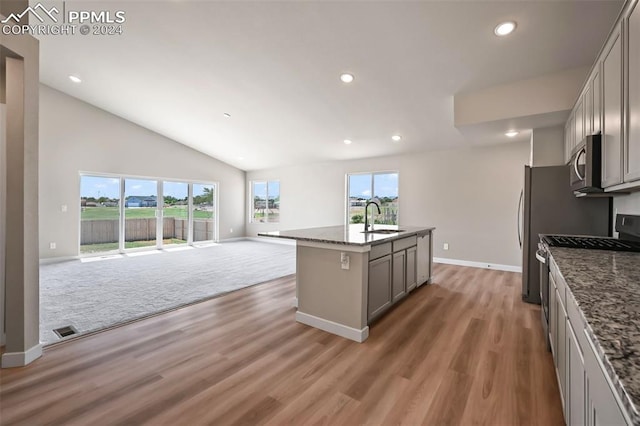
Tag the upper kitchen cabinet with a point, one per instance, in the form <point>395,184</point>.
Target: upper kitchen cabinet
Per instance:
<point>631,163</point>
<point>568,139</point>
<point>578,122</point>
<point>596,93</point>
<point>612,123</point>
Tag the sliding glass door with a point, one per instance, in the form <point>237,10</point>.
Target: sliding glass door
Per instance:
<point>99,214</point>
<point>204,198</point>
<point>175,213</point>
<point>121,213</point>
<point>140,213</point>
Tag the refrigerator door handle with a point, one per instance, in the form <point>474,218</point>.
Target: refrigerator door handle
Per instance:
<point>519,214</point>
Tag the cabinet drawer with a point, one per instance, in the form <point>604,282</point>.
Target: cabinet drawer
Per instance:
<point>405,243</point>
<point>575,319</point>
<point>379,250</point>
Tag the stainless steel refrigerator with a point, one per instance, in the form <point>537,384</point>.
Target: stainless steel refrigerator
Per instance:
<point>548,206</point>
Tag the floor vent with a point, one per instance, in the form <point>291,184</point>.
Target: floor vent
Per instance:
<point>65,331</point>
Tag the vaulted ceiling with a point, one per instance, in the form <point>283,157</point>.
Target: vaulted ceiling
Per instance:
<point>275,67</point>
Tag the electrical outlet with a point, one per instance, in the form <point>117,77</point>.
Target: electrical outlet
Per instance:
<point>63,208</point>
<point>445,246</point>
<point>231,230</point>
<point>52,246</point>
<point>344,260</point>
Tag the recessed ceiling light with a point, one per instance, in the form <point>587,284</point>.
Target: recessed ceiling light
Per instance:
<point>75,79</point>
<point>396,138</point>
<point>226,114</point>
<point>346,77</point>
<point>511,133</point>
<point>347,141</point>
<point>505,28</point>
<point>240,158</point>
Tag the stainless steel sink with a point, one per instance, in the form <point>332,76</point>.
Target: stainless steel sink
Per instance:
<point>383,231</point>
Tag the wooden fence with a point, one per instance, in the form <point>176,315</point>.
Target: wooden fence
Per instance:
<point>106,231</point>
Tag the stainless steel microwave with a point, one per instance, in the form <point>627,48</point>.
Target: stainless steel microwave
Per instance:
<point>585,165</point>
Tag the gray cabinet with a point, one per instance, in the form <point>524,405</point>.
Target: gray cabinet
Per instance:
<point>576,407</point>
<point>578,122</point>
<point>632,141</point>
<point>587,394</point>
<point>568,141</point>
<point>379,286</point>
<point>553,319</point>
<point>561,350</point>
<point>596,89</point>
<point>612,133</point>
<point>392,274</point>
<point>399,275</point>
<point>588,108</point>
<point>603,407</point>
<point>411,268</point>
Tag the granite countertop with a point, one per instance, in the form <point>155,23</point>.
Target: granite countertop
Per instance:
<point>606,287</point>
<point>348,235</point>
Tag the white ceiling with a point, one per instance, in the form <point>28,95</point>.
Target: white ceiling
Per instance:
<point>275,66</point>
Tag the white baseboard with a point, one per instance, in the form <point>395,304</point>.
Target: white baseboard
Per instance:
<point>484,265</point>
<point>333,327</point>
<point>20,359</point>
<point>273,240</point>
<point>50,260</point>
<point>230,240</point>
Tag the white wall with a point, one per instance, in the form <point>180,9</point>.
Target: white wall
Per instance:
<point>75,136</point>
<point>547,146</point>
<point>469,195</point>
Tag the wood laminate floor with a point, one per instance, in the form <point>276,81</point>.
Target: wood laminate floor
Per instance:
<point>464,350</point>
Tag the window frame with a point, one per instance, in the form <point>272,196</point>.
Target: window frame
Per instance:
<point>373,174</point>
<point>252,200</point>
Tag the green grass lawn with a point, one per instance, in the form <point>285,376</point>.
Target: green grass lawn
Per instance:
<point>112,213</point>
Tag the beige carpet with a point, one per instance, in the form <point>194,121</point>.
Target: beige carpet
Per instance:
<point>97,294</point>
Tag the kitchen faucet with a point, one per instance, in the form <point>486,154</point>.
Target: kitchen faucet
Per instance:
<point>366,215</point>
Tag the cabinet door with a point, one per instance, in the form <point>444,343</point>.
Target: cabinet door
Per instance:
<point>632,141</point>
<point>412,273</point>
<point>561,365</point>
<point>597,102</point>
<point>576,394</point>
<point>567,141</point>
<point>603,406</point>
<point>379,286</point>
<point>588,109</point>
<point>399,276</point>
<point>578,122</point>
<point>612,111</point>
<point>553,319</point>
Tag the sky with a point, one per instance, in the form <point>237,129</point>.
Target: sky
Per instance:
<point>385,185</point>
<point>96,186</point>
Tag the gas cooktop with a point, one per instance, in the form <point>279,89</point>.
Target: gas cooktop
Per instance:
<point>627,226</point>
<point>595,243</point>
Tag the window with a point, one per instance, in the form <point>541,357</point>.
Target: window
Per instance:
<point>265,197</point>
<point>185,213</point>
<point>361,187</point>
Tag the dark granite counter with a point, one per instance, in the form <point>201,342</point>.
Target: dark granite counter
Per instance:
<point>349,235</point>
<point>606,287</point>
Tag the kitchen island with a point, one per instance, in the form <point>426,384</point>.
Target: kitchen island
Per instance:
<point>347,278</point>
